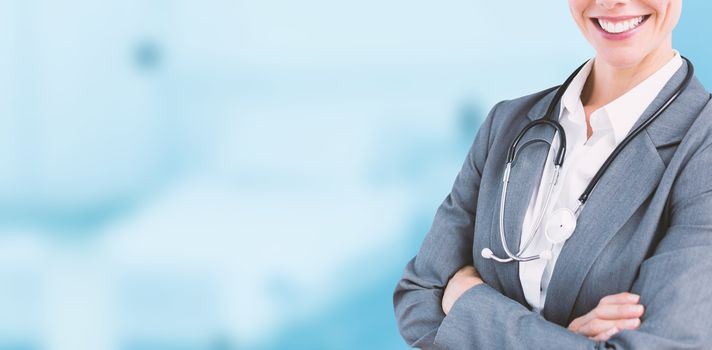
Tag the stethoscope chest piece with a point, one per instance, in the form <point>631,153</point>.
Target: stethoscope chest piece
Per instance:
<point>560,225</point>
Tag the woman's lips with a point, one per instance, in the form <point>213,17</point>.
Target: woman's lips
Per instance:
<point>619,28</point>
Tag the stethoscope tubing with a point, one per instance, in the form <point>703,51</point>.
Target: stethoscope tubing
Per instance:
<point>548,120</point>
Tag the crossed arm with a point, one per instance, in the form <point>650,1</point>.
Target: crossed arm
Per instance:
<point>614,312</point>
<point>675,284</point>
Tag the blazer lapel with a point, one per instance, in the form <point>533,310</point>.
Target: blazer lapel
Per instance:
<point>630,179</point>
<point>618,194</point>
<point>525,176</point>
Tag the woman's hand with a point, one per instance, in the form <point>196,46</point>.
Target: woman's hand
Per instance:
<point>614,313</point>
<point>464,279</point>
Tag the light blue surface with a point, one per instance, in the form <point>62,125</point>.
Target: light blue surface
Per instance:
<point>245,175</point>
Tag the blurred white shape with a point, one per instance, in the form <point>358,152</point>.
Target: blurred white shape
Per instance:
<point>23,264</point>
<point>251,242</point>
<point>79,305</point>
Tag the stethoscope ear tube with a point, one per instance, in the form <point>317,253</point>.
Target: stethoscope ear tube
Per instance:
<point>548,120</point>
<point>561,135</point>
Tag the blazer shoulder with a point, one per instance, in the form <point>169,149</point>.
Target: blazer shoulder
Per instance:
<point>531,106</point>
<point>535,96</point>
<point>702,126</point>
<point>530,100</point>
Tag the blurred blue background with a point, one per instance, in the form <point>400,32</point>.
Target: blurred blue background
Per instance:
<point>246,174</point>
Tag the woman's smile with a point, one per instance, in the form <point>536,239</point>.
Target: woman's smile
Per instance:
<point>628,33</point>
<point>619,28</point>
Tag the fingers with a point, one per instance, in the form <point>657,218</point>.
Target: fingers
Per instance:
<point>620,298</point>
<point>467,270</point>
<point>621,325</point>
<point>606,335</point>
<point>618,311</point>
<point>607,309</point>
<point>614,313</point>
<point>598,326</point>
<point>464,279</point>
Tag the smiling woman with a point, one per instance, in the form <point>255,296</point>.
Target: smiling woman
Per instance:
<point>602,184</point>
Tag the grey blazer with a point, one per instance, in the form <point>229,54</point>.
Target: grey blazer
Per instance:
<point>646,228</point>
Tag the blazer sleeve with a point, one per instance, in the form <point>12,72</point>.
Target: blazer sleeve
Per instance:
<point>675,285</point>
<point>447,247</point>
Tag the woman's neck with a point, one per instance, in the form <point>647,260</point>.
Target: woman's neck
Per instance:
<point>606,83</point>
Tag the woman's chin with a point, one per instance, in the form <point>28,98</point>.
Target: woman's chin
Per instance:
<point>621,58</point>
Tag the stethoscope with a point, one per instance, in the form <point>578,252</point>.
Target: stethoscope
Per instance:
<point>562,222</point>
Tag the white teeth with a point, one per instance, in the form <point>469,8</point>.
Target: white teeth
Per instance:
<point>620,27</point>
